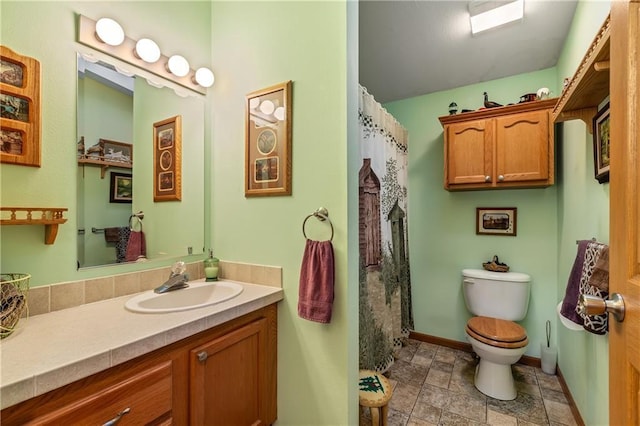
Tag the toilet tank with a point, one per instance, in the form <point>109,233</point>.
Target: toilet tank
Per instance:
<point>503,295</point>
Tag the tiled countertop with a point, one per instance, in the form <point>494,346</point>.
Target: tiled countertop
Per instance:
<point>51,350</point>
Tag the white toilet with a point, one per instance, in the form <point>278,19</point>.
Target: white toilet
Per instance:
<point>497,299</point>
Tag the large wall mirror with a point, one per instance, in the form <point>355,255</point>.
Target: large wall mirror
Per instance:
<point>116,116</point>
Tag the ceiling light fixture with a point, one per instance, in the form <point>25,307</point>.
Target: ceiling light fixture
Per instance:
<point>485,15</point>
<point>147,50</point>
<point>109,31</point>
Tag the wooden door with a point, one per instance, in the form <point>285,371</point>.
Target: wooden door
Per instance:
<point>228,379</point>
<point>624,338</point>
<point>522,147</point>
<point>469,153</point>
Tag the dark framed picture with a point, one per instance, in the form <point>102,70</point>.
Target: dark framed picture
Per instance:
<point>121,188</point>
<point>496,221</point>
<point>167,159</point>
<point>117,152</point>
<point>19,109</point>
<point>268,141</point>
<point>601,144</point>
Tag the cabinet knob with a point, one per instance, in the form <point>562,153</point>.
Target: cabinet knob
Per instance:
<point>202,356</point>
<point>487,178</point>
<point>118,417</point>
<point>500,178</point>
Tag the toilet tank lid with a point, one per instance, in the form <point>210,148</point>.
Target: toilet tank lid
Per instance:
<point>497,276</point>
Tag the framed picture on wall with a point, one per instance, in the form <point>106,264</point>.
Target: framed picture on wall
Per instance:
<point>268,141</point>
<point>601,144</point>
<point>121,188</point>
<point>19,109</point>
<point>496,221</point>
<point>167,159</point>
<point>117,152</point>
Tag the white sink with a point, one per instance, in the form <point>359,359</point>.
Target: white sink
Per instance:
<point>198,295</point>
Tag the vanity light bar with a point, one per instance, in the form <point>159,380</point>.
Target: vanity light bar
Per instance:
<point>126,51</point>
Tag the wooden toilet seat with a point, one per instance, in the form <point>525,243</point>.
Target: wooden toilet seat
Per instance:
<point>496,332</point>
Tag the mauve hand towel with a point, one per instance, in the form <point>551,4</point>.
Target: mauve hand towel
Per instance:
<point>136,247</point>
<point>572,293</point>
<point>315,294</point>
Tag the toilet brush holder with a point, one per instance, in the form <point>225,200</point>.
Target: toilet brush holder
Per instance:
<point>548,358</point>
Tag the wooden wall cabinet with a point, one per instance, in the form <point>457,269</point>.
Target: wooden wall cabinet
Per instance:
<point>504,147</point>
<point>222,376</point>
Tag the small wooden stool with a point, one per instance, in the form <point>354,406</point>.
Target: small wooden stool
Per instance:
<point>375,393</point>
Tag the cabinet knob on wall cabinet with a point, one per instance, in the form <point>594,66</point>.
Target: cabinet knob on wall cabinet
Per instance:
<point>487,178</point>
<point>500,178</point>
<point>202,356</point>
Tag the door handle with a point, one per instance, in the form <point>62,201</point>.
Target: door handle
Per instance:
<point>593,305</point>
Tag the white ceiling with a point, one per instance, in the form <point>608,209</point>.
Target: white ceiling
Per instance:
<point>412,48</point>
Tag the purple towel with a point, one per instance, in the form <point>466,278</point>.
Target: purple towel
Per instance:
<point>111,235</point>
<point>572,293</point>
<point>136,247</point>
<point>315,294</point>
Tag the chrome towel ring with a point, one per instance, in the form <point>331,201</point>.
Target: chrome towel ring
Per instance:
<point>321,214</point>
<point>139,216</point>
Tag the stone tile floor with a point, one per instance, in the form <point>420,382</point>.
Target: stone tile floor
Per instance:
<point>433,385</point>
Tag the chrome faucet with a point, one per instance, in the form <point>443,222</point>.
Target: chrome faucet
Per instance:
<point>177,280</point>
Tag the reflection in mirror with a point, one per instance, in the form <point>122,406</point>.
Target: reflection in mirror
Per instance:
<point>115,168</point>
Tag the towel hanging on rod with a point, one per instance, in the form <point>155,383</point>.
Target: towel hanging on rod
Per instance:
<point>321,214</point>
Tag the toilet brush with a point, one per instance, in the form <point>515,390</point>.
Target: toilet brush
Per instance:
<point>548,355</point>
<point>548,333</point>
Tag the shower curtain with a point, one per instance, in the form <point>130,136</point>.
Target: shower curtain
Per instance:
<point>385,288</point>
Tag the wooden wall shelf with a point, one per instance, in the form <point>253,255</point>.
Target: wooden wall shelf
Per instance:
<point>47,216</point>
<point>104,164</point>
<point>590,84</point>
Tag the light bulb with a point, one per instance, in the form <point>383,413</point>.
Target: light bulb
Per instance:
<point>147,50</point>
<point>204,77</point>
<point>109,31</point>
<point>178,66</point>
<point>279,113</point>
<point>254,103</point>
<point>267,107</point>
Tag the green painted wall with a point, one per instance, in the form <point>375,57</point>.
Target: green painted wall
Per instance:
<point>442,224</point>
<point>305,42</point>
<point>583,212</point>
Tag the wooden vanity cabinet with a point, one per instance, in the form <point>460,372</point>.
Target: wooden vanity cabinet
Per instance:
<point>230,378</point>
<point>233,384</point>
<point>505,147</point>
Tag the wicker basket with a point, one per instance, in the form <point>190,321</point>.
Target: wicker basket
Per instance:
<point>13,300</point>
<point>494,265</point>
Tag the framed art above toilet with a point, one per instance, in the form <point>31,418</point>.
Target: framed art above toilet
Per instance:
<point>496,221</point>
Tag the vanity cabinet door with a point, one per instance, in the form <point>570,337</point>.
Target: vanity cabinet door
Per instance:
<point>228,378</point>
<point>144,398</point>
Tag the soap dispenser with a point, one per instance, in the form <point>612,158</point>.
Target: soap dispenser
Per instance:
<point>211,267</point>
